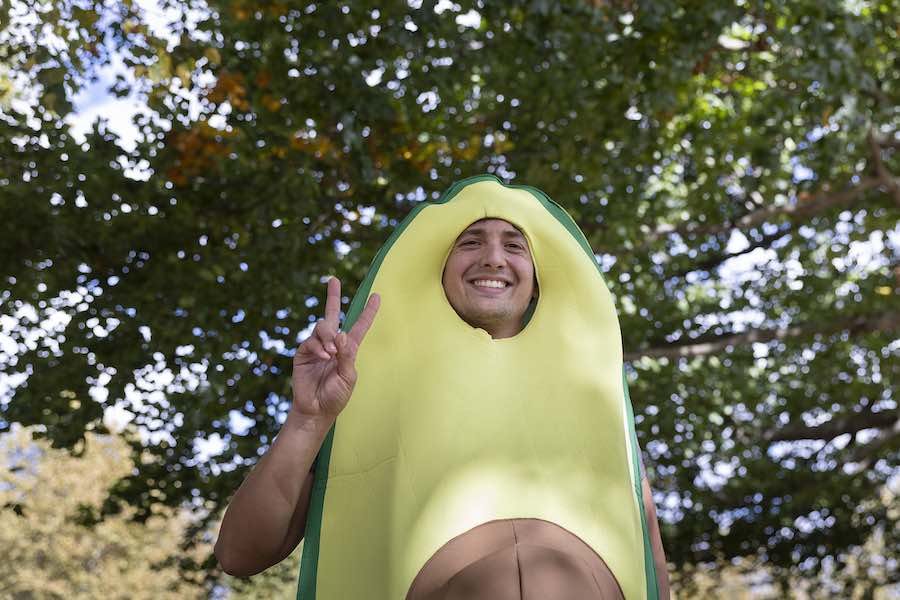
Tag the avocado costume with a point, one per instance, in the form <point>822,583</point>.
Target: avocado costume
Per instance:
<point>448,428</point>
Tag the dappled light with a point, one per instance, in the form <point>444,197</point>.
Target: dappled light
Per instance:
<point>178,181</point>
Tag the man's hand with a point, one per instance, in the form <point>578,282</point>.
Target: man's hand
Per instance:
<point>325,364</point>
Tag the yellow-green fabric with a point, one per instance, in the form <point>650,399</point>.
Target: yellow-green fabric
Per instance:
<point>448,428</point>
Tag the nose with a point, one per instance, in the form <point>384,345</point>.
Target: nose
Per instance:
<point>493,255</point>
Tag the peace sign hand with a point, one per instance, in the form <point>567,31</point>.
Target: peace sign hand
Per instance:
<point>324,371</point>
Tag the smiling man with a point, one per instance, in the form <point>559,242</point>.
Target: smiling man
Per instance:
<point>489,277</point>
<point>434,493</point>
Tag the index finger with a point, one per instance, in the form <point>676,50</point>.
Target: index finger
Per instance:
<point>333,303</point>
<point>365,319</point>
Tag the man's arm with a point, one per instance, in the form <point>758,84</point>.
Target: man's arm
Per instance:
<point>266,517</point>
<point>659,555</point>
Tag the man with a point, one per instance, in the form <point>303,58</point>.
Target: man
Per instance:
<point>489,280</point>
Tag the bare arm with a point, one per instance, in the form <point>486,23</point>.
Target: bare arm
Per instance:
<point>266,518</point>
<point>659,555</point>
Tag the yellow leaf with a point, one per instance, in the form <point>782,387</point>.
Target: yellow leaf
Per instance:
<point>183,72</point>
<point>213,56</point>
<point>271,103</point>
<point>161,69</point>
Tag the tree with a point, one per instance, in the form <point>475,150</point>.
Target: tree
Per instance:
<point>865,572</point>
<point>684,139</point>
<point>53,551</point>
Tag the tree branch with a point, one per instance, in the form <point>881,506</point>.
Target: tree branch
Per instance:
<point>711,262</point>
<point>885,437</point>
<point>889,141</point>
<point>803,208</point>
<point>883,174</point>
<point>700,347</point>
<point>835,427</point>
<point>814,205</point>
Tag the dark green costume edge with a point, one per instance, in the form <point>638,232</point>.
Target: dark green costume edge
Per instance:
<point>306,589</point>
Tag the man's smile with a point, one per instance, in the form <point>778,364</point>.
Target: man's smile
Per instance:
<point>492,287</point>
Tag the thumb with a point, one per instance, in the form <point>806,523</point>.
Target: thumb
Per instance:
<point>346,358</point>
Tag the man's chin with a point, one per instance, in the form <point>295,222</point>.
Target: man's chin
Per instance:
<point>488,320</point>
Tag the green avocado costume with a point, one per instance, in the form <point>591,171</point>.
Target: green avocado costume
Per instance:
<point>448,428</point>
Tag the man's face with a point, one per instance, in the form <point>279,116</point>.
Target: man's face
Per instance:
<point>489,277</point>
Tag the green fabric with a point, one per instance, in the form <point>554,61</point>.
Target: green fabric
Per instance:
<point>649,564</point>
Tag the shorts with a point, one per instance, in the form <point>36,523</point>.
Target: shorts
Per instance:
<point>515,559</point>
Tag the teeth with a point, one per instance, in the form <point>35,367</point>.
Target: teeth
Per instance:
<point>489,283</point>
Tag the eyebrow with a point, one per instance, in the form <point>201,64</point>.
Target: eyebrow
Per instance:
<point>506,234</point>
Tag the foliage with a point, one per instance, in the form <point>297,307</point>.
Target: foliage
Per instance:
<point>685,139</point>
<point>51,549</point>
<point>863,572</point>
